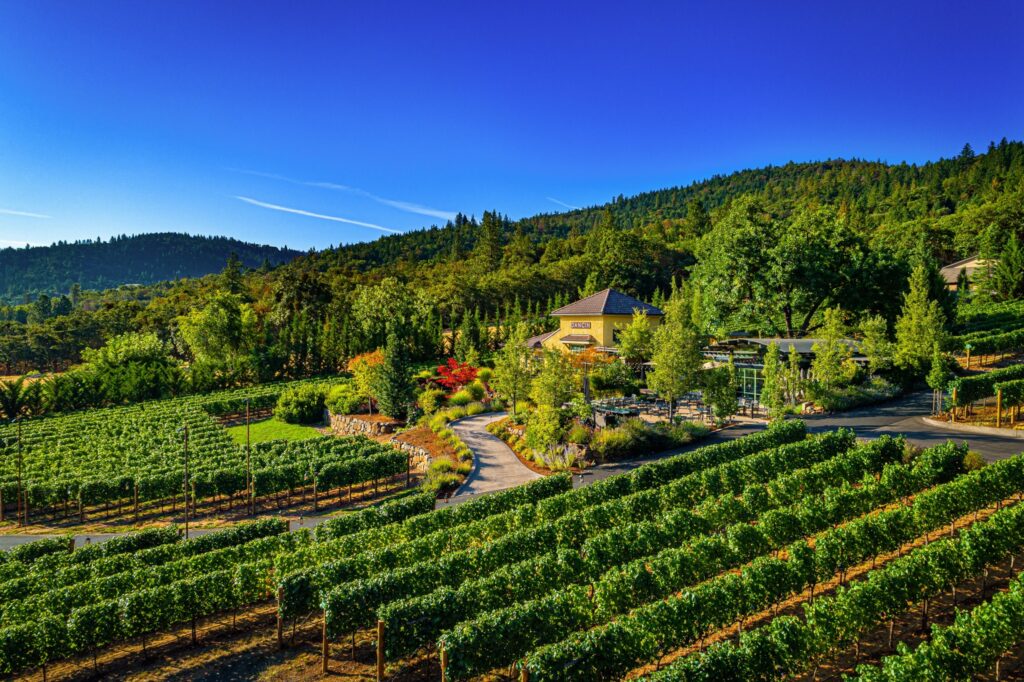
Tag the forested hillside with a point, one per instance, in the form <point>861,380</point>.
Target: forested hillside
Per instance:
<point>770,250</point>
<point>138,259</point>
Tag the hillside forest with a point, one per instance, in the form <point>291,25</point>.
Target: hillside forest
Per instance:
<point>769,250</point>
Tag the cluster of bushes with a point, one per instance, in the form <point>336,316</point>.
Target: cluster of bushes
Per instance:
<point>635,437</point>
<point>615,378</point>
<point>344,399</point>
<point>302,404</point>
<point>849,396</point>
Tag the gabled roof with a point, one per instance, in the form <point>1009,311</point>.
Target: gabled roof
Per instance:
<point>538,341</point>
<point>951,272</point>
<point>607,302</point>
<point>578,338</point>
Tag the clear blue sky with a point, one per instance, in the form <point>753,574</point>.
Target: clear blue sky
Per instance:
<point>125,117</point>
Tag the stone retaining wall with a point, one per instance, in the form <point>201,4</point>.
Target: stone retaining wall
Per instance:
<point>420,457</point>
<point>347,425</point>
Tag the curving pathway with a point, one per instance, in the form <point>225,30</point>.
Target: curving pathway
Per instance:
<point>495,466</point>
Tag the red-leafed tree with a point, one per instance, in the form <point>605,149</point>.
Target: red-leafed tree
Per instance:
<point>454,375</point>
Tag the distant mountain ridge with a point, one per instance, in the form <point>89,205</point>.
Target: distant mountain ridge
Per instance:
<point>135,259</point>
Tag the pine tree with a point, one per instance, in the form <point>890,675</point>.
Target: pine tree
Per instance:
<point>393,385</point>
<point>488,248</point>
<point>231,275</point>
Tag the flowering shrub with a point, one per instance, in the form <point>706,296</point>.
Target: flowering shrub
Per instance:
<point>454,374</point>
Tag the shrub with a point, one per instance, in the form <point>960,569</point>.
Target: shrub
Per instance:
<point>301,405</point>
<point>460,398</point>
<point>430,401</point>
<point>973,460</point>
<point>484,374</point>
<point>579,434</point>
<point>475,408</point>
<point>344,399</point>
<point>545,429</point>
<point>441,466</point>
<point>442,482</point>
<point>464,468</point>
<point>475,389</point>
<point>456,413</point>
<point>610,444</point>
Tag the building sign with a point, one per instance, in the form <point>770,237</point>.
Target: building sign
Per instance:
<point>580,325</point>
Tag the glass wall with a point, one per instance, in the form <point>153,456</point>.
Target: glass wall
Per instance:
<point>750,382</point>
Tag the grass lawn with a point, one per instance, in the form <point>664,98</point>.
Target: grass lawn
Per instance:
<point>272,429</point>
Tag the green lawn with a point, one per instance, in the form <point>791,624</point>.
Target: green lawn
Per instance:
<point>272,429</point>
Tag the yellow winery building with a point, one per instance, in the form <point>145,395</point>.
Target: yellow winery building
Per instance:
<point>594,322</point>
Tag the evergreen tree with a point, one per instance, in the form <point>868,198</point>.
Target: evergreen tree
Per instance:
<point>919,326</point>
<point>698,221</point>
<point>1006,281</point>
<point>393,385</point>
<point>875,345</point>
<point>231,275</point>
<point>488,248</point>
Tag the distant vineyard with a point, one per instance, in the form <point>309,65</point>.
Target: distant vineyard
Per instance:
<point>134,455</point>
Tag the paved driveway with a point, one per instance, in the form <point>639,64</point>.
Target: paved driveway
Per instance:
<point>905,416</point>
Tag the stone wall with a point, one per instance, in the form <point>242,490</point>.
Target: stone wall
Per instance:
<point>348,425</point>
<point>419,457</point>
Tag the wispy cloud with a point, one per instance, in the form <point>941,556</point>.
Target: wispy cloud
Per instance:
<point>407,206</point>
<point>562,204</point>
<point>321,216</point>
<point>22,214</point>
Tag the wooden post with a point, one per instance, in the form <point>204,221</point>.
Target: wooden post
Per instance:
<point>999,408</point>
<point>444,662</point>
<point>280,621</point>
<point>968,358</point>
<point>325,648</point>
<point>952,412</point>
<point>315,501</point>
<point>524,675</point>
<point>380,651</point>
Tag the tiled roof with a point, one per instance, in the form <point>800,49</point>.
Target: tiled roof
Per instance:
<point>607,302</point>
<point>577,338</point>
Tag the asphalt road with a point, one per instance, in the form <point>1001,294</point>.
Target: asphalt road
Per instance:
<point>906,416</point>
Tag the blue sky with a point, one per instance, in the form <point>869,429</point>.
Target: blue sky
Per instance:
<point>279,122</point>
